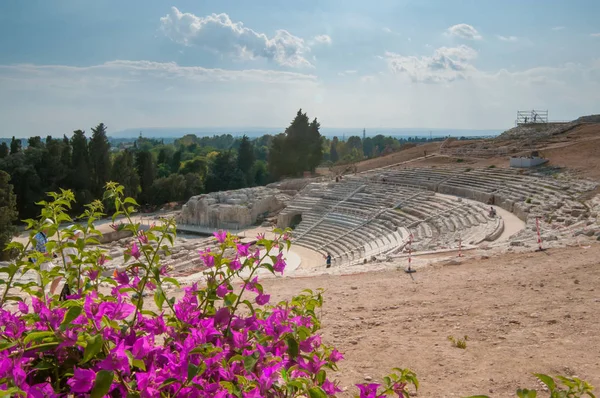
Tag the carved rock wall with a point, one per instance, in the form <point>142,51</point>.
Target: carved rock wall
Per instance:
<point>225,209</point>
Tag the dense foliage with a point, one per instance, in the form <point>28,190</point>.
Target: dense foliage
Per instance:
<point>220,340</point>
<point>8,212</point>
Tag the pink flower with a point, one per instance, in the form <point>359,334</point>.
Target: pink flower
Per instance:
<point>330,388</point>
<point>82,380</point>
<point>260,236</point>
<point>222,290</point>
<point>101,260</point>
<point>93,274</point>
<point>220,236</point>
<point>243,249</point>
<point>279,265</point>
<point>262,299</point>
<point>24,308</point>
<point>207,258</point>
<point>135,251</point>
<point>235,264</point>
<point>335,356</point>
<point>142,237</point>
<point>368,390</point>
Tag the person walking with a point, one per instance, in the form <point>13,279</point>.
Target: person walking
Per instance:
<point>328,260</point>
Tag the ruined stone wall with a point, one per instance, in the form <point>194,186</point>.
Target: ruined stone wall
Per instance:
<point>225,209</point>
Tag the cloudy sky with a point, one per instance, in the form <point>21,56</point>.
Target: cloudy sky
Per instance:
<point>68,64</point>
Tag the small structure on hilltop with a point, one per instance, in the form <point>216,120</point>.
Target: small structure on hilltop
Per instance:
<point>531,117</point>
<point>529,161</point>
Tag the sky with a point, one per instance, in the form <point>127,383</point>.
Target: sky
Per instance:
<point>471,64</point>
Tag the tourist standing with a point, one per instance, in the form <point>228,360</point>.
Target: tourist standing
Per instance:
<point>328,260</point>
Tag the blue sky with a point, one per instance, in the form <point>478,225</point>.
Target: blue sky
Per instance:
<point>69,64</point>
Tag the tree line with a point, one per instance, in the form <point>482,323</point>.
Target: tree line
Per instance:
<point>155,172</point>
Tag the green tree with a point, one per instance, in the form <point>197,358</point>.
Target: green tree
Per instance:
<point>99,148</point>
<point>8,211</point>
<point>175,162</point>
<point>169,189</point>
<point>147,173</point>
<point>124,172</point>
<point>198,165</point>
<point>79,176</point>
<point>26,183</point>
<point>279,162</point>
<point>368,147</point>
<point>245,159</point>
<point>224,174</point>
<point>333,154</point>
<point>296,144</point>
<point>35,142</point>
<point>315,146</point>
<point>15,145</point>
<point>193,185</point>
<point>4,151</point>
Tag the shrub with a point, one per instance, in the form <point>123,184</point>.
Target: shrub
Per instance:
<point>220,340</point>
<point>492,166</point>
<point>459,343</point>
<point>459,160</point>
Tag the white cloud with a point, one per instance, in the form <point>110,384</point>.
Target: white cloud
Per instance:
<point>464,31</point>
<point>217,32</point>
<point>445,65</point>
<point>57,99</point>
<point>595,34</point>
<point>507,38</point>
<point>347,72</point>
<point>557,28</point>
<point>323,39</point>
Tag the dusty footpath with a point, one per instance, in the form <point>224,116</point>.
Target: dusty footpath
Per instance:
<point>522,313</point>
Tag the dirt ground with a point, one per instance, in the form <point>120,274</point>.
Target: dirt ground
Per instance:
<point>522,313</point>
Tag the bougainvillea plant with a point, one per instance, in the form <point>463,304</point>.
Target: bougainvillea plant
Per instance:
<point>122,335</point>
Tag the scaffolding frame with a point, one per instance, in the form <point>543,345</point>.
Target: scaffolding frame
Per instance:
<point>532,117</point>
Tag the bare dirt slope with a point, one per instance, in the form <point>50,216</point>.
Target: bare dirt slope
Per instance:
<point>523,313</point>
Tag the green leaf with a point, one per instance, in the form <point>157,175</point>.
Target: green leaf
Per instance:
<point>168,382</point>
<point>37,336</point>
<point>292,347</point>
<point>317,392</point>
<point>139,364</point>
<point>104,379</point>
<point>93,347</point>
<point>526,393</point>
<point>159,299</point>
<point>192,371</point>
<point>547,380</point>
<point>250,362</point>
<point>70,315</point>
<point>321,376</point>
<point>172,280</point>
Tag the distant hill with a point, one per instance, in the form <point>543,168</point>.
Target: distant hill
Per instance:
<point>589,119</point>
<point>329,132</point>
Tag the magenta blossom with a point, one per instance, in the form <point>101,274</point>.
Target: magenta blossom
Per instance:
<point>330,388</point>
<point>93,274</point>
<point>235,265</point>
<point>207,258</point>
<point>222,290</point>
<point>243,249</point>
<point>135,251</point>
<point>368,390</point>
<point>335,356</point>
<point>142,237</point>
<point>262,299</point>
<point>82,380</point>
<point>260,236</point>
<point>24,308</point>
<point>279,265</point>
<point>101,260</point>
<point>220,236</point>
